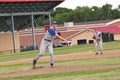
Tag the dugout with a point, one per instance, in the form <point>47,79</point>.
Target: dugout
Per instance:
<point>107,37</point>
<point>16,15</point>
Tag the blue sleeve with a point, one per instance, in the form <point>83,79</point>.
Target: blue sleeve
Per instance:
<point>52,31</point>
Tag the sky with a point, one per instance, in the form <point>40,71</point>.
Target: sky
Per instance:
<point>72,4</point>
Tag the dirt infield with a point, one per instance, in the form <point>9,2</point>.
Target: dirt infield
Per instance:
<point>56,69</point>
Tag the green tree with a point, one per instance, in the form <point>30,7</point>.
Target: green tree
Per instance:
<point>60,10</point>
<point>106,11</point>
<point>81,14</point>
<point>115,14</point>
<point>95,13</point>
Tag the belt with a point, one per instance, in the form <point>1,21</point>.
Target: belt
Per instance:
<point>47,40</point>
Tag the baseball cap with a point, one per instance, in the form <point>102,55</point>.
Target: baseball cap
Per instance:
<point>54,22</point>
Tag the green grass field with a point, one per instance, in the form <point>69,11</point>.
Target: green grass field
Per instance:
<point>62,50</point>
<point>107,74</point>
<point>103,74</point>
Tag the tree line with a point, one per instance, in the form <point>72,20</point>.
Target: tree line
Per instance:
<point>81,14</point>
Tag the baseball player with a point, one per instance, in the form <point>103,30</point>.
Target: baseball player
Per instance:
<point>47,43</point>
<point>98,38</point>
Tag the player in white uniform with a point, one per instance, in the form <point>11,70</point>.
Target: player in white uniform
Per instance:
<point>98,45</point>
<point>47,43</point>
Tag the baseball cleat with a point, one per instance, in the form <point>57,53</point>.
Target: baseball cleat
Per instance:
<point>101,53</point>
<point>51,65</point>
<point>97,53</point>
<point>34,63</point>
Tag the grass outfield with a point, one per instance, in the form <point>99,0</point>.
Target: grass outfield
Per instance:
<point>102,74</point>
<point>63,50</point>
<point>106,74</point>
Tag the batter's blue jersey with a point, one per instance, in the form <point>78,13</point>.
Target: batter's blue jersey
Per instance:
<point>49,35</point>
<point>52,31</point>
